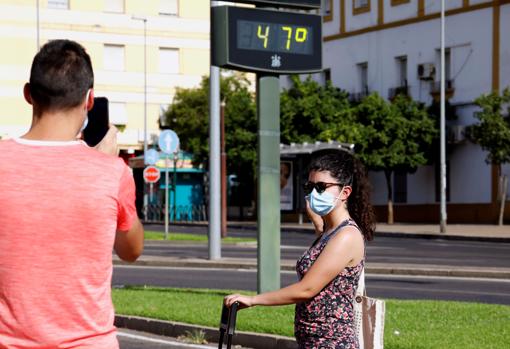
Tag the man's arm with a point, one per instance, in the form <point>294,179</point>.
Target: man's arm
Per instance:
<point>129,245</point>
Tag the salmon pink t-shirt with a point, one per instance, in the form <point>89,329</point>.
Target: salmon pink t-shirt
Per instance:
<point>61,204</point>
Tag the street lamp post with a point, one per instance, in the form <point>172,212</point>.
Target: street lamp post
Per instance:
<point>442,124</point>
<point>38,25</point>
<point>144,19</point>
<point>214,160</point>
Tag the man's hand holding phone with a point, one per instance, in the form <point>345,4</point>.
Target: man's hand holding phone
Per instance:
<point>99,133</point>
<point>108,144</point>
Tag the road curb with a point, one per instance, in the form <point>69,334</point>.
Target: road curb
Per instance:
<point>176,329</point>
<point>381,269</point>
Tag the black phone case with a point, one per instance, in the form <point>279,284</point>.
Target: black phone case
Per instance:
<point>99,122</point>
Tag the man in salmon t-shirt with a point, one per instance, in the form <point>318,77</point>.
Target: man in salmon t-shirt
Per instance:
<point>63,207</point>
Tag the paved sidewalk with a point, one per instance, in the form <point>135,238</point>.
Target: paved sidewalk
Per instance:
<point>453,231</point>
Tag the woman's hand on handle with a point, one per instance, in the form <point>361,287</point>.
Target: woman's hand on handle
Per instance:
<point>244,301</point>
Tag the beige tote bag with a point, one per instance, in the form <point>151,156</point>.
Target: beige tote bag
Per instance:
<point>368,318</point>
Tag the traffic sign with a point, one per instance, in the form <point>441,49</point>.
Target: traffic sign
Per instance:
<point>168,142</point>
<point>151,174</point>
<point>151,157</point>
<point>270,41</point>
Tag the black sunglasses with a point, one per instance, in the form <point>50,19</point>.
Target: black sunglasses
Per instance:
<point>319,186</point>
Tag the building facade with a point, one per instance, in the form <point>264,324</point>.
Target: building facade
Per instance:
<point>392,46</point>
<point>112,31</point>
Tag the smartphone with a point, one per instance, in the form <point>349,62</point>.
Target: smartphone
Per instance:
<point>99,122</point>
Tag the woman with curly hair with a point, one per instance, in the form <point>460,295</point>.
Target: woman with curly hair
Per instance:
<point>338,204</point>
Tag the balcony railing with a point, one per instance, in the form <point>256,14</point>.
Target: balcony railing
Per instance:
<point>356,97</point>
<point>435,88</point>
<point>400,90</point>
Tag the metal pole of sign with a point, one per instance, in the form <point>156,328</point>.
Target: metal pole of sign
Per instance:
<point>214,160</point>
<point>223,173</point>
<point>174,185</point>
<point>166,196</point>
<point>149,204</point>
<point>268,203</point>
<point>442,124</point>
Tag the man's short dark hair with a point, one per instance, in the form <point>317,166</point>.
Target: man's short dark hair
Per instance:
<point>61,75</point>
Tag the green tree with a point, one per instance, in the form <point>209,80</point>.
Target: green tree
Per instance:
<point>492,133</point>
<point>395,136</point>
<point>188,116</point>
<point>312,112</point>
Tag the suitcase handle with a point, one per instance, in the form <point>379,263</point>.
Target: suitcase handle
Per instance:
<point>228,324</point>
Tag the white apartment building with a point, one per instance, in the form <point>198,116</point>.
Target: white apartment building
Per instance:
<point>383,45</point>
<point>176,42</point>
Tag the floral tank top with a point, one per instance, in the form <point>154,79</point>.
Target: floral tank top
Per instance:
<point>326,320</point>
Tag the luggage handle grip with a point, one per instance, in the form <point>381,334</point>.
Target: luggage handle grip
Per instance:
<point>228,323</point>
<point>232,318</point>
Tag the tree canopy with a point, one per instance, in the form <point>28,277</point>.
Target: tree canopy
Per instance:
<point>492,133</point>
<point>312,112</point>
<point>188,116</point>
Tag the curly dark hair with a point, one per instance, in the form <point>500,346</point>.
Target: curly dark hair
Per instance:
<point>348,170</point>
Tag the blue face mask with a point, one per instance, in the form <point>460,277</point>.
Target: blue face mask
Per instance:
<point>322,204</point>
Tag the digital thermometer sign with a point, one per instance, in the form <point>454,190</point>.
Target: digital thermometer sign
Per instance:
<point>274,37</point>
<point>266,41</point>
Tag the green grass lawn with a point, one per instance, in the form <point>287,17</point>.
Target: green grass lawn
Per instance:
<point>408,325</point>
<point>156,235</point>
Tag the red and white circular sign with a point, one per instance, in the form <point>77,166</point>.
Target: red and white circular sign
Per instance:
<point>151,174</point>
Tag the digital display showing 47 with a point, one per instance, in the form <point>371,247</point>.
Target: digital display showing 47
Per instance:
<point>274,37</point>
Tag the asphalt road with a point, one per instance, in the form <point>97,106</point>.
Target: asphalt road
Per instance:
<point>384,250</point>
<point>383,286</point>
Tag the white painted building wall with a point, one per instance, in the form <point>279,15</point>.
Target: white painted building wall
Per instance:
<point>469,37</point>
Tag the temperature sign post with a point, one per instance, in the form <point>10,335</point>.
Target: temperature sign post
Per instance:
<point>266,40</point>
<point>269,43</point>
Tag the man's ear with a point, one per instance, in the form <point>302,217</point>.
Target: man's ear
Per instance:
<point>90,99</point>
<point>26,93</point>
